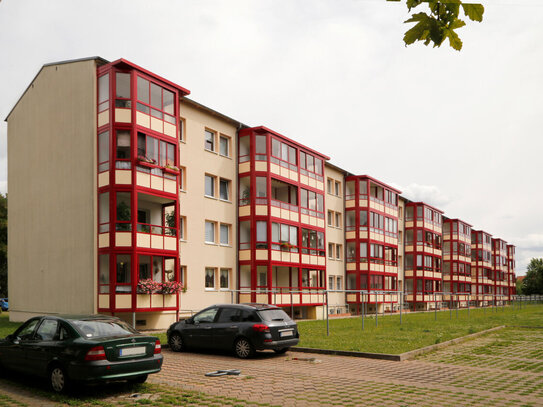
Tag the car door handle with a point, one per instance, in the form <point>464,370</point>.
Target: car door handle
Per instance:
<point>207,327</point>
<point>234,326</point>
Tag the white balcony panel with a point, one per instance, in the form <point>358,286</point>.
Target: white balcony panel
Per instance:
<point>103,301</point>
<point>244,255</point>
<point>244,210</point>
<point>157,242</point>
<point>170,300</point>
<point>123,239</point>
<point>170,243</point>
<point>143,180</point>
<point>143,240</point>
<point>261,210</point>
<point>123,301</point>
<point>123,115</point>
<point>143,119</point>
<point>261,255</point>
<point>157,125</point>
<point>123,177</point>
<point>103,240</point>
<point>170,186</point>
<point>157,301</point>
<point>170,130</point>
<point>261,166</point>
<point>157,183</point>
<point>244,167</point>
<point>103,179</point>
<point>103,118</point>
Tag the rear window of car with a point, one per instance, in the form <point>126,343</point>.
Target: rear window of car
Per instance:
<point>103,328</point>
<point>270,315</point>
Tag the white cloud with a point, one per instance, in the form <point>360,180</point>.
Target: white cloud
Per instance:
<point>429,194</point>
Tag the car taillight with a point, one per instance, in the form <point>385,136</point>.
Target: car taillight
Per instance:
<point>158,347</point>
<point>261,328</point>
<point>96,353</point>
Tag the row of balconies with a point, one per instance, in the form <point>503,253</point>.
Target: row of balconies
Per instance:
<point>143,301</point>
<point>373,203</point>
<point>149,240</point>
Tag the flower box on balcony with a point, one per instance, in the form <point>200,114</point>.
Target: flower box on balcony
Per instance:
<point>171,170</point>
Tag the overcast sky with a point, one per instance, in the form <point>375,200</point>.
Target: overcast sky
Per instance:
<point>462,131</point>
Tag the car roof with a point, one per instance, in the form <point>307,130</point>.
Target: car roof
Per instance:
<point>75,317</point>
<point>250,306</point>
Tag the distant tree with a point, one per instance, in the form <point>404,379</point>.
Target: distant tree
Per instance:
<point>440,22</point>
<point>4,245</point>
<point>518,284</point>
<point>533,282</point>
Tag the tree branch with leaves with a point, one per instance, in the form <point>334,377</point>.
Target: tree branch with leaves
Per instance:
<point>440,22</point>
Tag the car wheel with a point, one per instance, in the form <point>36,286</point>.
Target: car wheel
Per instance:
<point>176,342</point>
<point>243,348</point>
<point>138,379</point>
<point>58,379</point>
<point>281,351</point>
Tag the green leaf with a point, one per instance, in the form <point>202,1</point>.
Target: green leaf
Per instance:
<point>457,24</point>
<point>454,39</point>
<point>474,11</point>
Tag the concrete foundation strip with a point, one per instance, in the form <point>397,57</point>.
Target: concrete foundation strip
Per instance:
<point>397,358</point>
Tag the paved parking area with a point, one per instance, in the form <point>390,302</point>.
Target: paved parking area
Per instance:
<point>504,368</point>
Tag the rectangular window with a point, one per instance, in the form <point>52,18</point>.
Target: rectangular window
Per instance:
<point>224,146</point>
<point>123,278</point>
<point>103,92</point>
<point>122,90</point>
<point>225,234</point>
<point>210,231</point>
<point>225,279</point>
<point>330,250</point>
<point>210,186</point>
<point>339,249</point>
<point>182,228</point>
<point>329,183</point>
<point>209,143</point>
<point>123,145</point>
<point>182,178</point>
<point>104,273</point>
<point>124,212</point>
<point>338,220</point>
<point>339,283</point>
<point>103,222</point>
<point>261,235</point>
<point>224,189</point>
<point>330,218</point>
<point>330,282</point>
<point>182,130</point>
<point>210,278</point>
<point>337,188</point>
<point>103,151</point>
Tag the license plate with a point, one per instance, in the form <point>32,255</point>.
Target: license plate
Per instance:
<point>139,350</point>
<point>286,333</point>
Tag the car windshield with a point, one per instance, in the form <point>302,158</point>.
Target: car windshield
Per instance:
<point>103,328</point>
<point>273,315</point>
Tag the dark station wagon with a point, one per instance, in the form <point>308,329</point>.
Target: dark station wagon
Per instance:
<point>82,349</point>
<point>243,328</point>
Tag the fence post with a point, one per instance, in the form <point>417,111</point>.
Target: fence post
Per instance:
<point>435,307</point>
<point>291,306</point>
<point>401,306</point>
<point>376,312</point>
<point>327,319</point>
<point>363,309</point>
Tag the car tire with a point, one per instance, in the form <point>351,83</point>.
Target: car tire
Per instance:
<point>175,341</point>
<point>281,351</point>
<point>58,379</point>
<point>243,348</point>
<point>138,380</point>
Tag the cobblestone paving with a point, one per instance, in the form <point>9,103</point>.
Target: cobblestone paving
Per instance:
<point>500,369</point>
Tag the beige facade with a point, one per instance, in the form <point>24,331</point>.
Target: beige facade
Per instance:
<point>197,208</point>
<point>335,237</point>
<point>52,193</point>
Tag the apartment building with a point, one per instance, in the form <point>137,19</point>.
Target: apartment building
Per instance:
<point>129,198</point>
<point>423,255</point>
<point>371,235</point>
<point>482,274</point>
<point>456,265</point>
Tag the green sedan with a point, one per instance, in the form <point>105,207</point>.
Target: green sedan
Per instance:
<point>83,349</point>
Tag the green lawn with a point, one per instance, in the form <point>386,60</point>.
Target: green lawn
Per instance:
<point>7,327</point>
<point>416,331</point>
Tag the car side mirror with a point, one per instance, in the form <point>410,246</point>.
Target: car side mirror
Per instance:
<point>189,321</point>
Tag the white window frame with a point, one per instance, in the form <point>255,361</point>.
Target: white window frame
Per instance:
<point>213,135</point>
<point>222,138</point>
<point>228,273</point>
<point>213,185</point>
<point>214,229</point>
<point>214,272</point>
<point>221,228</point>
<point>228,184</point>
